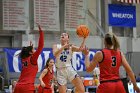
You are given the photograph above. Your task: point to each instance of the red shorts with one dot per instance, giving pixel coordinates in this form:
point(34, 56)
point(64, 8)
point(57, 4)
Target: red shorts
point(44, 90)
point(111, 87)
point(22, 88)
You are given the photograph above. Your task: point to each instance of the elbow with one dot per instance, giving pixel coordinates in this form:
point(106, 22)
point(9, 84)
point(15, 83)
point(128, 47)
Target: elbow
point(88, 70)
point(130, 73)
point(39, 79)
point(42, 45)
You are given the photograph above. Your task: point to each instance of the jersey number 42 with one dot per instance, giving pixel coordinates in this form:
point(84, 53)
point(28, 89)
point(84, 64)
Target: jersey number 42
point(63, 58)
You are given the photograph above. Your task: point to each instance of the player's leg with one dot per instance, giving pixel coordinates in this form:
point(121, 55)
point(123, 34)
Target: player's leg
point(62, 81)
point(75, 80)
point(62, 88)
point(78, 84)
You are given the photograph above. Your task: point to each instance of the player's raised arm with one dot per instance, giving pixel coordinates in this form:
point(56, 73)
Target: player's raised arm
point(79, 49)
point(40, 46)
point(96, 59)
point(81, 31)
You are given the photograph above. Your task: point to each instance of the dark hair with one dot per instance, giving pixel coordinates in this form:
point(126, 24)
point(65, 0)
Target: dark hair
point(25, 51)
point(47, 63)
point(112, 40)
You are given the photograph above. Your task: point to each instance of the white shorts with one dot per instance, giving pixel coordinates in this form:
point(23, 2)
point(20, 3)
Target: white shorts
point(64, 74)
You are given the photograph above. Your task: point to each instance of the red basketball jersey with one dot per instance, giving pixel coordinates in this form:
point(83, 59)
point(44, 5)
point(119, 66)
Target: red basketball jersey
point(29, 65)
point(28, 72)
point(47, 79)
point(29, 69)
point(109, 67)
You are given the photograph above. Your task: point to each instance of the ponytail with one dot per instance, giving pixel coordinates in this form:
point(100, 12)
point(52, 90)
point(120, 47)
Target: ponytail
point(112, 40)
point(116, 43)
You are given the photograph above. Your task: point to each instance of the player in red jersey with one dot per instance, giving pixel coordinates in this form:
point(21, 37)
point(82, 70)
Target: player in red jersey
point(29, 66)
point(46, 78)
point(110, 59)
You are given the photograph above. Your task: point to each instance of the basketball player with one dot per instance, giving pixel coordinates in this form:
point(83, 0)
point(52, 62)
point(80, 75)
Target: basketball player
point(47, 77)
point(63, 54)
point(110, 59)
point(29, 66)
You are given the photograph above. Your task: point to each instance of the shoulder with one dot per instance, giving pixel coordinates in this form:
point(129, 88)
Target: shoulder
point(99, 56)
point(99, 53)
point(122, 54)
point(45, 70)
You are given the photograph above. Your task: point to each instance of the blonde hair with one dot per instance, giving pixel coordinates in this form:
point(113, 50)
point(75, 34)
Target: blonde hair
point(112, 40)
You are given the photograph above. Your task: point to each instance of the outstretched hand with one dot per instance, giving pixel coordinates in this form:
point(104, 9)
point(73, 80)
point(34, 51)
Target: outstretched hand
point(137, 89)
point(39, 27)
point(85, 51)
point(31, 44)
point(82, 45)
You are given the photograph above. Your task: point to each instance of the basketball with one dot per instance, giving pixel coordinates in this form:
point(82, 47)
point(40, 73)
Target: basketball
point(82, 31)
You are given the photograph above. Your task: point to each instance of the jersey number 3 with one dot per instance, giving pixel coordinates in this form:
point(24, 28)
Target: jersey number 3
point(114, 61)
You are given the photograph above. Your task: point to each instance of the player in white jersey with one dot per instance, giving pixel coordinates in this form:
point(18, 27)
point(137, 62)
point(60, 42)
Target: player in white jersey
point(63, 54)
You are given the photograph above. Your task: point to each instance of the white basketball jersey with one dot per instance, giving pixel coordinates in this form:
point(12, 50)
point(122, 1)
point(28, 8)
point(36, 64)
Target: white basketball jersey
point(64, 59)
